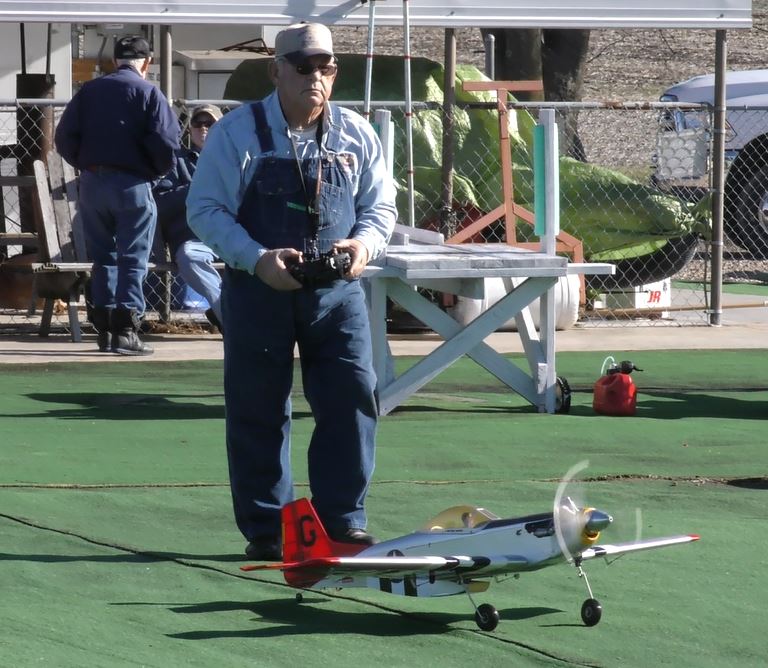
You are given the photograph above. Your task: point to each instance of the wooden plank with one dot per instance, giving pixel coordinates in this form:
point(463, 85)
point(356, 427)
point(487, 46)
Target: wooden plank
point(531, 86)
point(49, 246)
point(61, 207)
point(70, 186)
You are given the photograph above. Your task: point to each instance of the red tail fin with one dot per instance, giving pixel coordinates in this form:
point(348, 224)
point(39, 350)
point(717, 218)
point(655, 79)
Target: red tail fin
point(304, 536)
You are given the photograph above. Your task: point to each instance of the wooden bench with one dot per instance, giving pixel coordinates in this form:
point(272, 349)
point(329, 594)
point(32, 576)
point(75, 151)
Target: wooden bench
point(62, 266)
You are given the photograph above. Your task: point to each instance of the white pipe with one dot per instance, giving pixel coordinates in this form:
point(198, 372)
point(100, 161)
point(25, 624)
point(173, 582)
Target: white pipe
point(547, 318)
point(383, 119)
point(408, 110)
point(551, 180)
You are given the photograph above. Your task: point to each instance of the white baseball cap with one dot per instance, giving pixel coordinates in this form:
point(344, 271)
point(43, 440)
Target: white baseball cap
point(302, 40)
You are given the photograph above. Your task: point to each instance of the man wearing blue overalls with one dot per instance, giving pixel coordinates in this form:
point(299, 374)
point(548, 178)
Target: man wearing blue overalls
point(287, 185)
point(121, 133)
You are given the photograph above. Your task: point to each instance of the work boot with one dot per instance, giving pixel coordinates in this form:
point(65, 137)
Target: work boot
point(264, 548)
point(125, 339)
point(101, 318)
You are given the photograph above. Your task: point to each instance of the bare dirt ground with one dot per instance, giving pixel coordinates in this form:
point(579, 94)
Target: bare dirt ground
point(623, 66)
point(626, 65)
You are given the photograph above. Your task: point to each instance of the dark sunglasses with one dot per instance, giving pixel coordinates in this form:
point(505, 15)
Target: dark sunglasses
point(199, 123)
point(306, 68)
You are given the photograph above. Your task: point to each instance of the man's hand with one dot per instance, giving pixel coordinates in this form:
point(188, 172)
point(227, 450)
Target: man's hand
point(271, 269)
point(359, 254)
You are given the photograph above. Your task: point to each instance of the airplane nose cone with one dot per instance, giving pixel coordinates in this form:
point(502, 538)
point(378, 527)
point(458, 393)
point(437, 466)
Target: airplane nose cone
point(597, 521)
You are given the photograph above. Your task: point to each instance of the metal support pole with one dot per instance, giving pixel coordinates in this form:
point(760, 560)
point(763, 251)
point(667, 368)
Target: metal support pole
point(490, 56)
point(447, 214)
point(408, 111)
point(166, 85)
point(718, 177)
point(369, 59)
point(166, 61)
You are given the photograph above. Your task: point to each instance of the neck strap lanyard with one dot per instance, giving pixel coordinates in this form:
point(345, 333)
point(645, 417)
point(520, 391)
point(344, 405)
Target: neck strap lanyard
point(313, 203)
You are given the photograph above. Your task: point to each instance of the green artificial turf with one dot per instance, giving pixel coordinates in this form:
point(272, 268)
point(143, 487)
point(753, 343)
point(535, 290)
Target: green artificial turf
point(117, 545)
point(759, 290)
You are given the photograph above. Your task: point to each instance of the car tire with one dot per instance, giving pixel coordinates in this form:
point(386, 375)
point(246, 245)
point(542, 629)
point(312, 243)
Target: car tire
point(656, 266)
point(746, 210)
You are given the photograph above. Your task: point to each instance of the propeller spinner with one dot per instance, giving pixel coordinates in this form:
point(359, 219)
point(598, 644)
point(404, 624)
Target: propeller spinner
point(577, 526)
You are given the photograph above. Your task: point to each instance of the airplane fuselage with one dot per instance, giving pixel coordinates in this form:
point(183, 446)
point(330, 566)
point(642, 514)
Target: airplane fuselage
point(521, 544)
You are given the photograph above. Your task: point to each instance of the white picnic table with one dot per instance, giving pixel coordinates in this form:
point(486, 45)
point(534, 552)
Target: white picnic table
point(462, 269)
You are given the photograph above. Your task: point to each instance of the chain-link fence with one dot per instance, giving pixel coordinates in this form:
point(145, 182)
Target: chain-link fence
point(635, 182)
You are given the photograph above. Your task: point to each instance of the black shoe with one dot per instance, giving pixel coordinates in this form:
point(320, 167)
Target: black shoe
point(127, 342)
point(352, 535)
point(264, 549)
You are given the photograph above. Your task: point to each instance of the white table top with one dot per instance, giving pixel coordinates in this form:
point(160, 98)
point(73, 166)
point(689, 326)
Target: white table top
point(424, 261)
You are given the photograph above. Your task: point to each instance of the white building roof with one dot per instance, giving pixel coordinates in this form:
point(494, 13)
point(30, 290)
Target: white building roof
point(718, 14)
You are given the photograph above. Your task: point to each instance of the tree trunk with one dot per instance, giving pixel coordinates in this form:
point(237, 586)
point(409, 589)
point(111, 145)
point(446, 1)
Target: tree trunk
point(558, 58)
point(517, 54)
point(563, 60)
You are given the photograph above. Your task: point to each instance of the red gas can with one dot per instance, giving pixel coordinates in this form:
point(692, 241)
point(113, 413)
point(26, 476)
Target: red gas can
point(615, 392)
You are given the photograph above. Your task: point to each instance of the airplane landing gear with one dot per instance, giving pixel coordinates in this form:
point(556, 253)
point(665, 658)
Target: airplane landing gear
point(487, 617)
point(591, 611)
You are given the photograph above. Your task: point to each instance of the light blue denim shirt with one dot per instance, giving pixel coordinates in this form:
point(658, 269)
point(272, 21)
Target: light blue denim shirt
point(229, 159)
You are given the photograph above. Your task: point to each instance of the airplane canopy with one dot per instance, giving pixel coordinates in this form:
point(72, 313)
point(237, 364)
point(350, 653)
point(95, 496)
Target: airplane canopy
point(459, 517)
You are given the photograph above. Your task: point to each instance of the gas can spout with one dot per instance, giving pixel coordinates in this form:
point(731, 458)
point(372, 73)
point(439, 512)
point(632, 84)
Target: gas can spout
point(628, 367)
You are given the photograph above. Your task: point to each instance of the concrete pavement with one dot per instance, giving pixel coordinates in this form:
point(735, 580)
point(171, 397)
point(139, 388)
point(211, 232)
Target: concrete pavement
point(744, 324)
point(733, 334)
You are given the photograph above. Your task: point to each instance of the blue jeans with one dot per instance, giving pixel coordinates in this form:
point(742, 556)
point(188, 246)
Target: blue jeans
point(261, 327)
point(195, 262)
point(119, 218)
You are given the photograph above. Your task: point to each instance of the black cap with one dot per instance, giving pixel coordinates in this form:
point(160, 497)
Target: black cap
point(132, 46)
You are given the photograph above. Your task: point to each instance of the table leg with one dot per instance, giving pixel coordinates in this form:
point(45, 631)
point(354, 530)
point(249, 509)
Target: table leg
point(463, 340)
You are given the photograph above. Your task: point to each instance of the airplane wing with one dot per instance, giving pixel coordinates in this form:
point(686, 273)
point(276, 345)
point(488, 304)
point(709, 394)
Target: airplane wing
point(389, 567)
point(607, 550)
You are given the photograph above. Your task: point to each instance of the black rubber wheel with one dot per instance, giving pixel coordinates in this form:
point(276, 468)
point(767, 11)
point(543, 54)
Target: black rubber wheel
point(656, 266)
point(299, 597)
point(562, 395)
point(591, 612)
point(487, 617)
point(746, 209)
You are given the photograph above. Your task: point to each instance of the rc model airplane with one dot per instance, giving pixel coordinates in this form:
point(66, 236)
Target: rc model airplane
point(457, 552)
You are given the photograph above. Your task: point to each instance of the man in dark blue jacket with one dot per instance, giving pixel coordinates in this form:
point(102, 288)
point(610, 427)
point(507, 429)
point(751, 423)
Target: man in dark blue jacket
point(121, 133)
point(193, 258)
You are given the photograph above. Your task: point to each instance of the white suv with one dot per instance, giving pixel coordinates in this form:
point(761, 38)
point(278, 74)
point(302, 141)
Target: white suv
point(682, 161)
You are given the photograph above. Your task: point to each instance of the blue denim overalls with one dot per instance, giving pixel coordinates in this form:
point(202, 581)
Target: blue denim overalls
point(330, 325)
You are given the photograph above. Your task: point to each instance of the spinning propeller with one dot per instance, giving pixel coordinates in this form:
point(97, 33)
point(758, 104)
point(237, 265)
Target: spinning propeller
point(577, 527)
